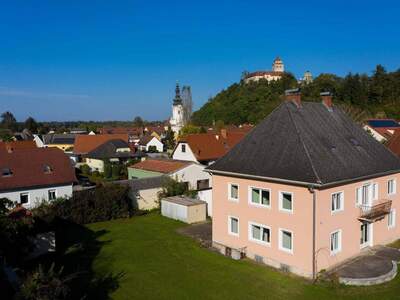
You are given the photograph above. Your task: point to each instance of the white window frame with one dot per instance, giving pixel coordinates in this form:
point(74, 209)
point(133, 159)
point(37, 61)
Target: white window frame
point(230, 227)
point(394, 187)
point(392, 218)
point(55, 193)
point(260, 189)
point(341, 202)
point(375, 191)
point(290, 251)
point(250, 234)
point(183, 148)
point(230, 184)
point(336, 251)
point(359, 199)
point(29, 198)
point(281, 202)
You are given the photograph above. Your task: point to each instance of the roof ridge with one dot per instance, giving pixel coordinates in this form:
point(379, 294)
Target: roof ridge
point(304, 145)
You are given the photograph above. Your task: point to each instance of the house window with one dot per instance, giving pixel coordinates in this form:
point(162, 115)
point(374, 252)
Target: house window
point(183, 148)
point(392, 218)
point(259, 233)
point(233, 192)
point(286, 240)
point(286, 201)
point(391, 187)
point(260, 196)
point(337, 201)
point(24, 198)
point(233, 225)
point(52, 194)
point(203, 184)
point(336, 242)
point(375, 192)
point(6, 172)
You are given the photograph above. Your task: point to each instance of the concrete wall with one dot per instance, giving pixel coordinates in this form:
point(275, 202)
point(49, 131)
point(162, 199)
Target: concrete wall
point(95, 164)
point(206, 196)
point(137, 173)
point(145, 199)
point(187, 155)
point(36, 196)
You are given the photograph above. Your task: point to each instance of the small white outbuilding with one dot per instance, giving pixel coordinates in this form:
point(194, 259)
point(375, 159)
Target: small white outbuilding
point(184, 209)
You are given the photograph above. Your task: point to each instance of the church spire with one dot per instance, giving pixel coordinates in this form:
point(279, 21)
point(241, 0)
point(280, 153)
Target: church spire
point(177, 99)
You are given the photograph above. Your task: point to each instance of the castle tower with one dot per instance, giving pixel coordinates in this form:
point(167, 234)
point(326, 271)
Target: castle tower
point(177, 119)
point(278, 65)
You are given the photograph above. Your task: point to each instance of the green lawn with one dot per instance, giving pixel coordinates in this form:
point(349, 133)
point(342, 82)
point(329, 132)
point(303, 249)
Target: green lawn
point(147, 259)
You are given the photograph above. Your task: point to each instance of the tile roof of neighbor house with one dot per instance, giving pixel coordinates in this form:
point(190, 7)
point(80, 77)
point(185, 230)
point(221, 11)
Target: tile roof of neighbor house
point(144, 183)
point(28, 168)
point(145, 139)
point(210, 146)
point(59, 138)
point(394, 143)
point(308, 145)
point(86, 143)
point(18, 145)
point(109, 150)
point(120, 130)
point(165, 166)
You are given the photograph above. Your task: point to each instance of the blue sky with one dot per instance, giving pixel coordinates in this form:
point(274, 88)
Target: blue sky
point(113, 60)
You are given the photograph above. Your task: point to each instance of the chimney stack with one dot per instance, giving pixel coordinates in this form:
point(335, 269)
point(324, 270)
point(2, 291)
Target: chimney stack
point(9, 148)
point(327, 99)
point(223, 133)
point(294, 95)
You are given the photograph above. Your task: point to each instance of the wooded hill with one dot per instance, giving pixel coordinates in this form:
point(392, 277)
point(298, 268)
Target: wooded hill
point(361, 95)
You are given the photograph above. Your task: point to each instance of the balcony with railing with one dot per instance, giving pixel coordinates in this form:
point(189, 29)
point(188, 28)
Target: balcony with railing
point(375, 212)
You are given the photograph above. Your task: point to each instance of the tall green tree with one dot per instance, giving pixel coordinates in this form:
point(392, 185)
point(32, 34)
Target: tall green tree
point(138, 122)
point(8, 121)
point(31, 125)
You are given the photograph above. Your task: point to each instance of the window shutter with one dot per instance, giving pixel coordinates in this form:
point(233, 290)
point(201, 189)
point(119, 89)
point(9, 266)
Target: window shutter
point(358, 195)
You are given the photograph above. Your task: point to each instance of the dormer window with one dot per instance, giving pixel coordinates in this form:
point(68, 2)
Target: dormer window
point(47, 169)
point(6, 172)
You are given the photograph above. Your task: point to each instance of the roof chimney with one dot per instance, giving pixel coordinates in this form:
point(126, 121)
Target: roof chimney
point(9, 148)
point(294, 95)
point(327, 100)
point(223, 133)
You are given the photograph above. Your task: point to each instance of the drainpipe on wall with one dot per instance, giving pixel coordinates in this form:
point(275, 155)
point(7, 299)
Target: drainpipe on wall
point(314, 271)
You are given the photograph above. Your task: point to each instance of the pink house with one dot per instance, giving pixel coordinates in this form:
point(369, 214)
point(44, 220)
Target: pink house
point(305, 190)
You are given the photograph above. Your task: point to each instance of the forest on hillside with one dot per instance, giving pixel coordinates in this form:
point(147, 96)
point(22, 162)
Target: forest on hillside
point(377, 95)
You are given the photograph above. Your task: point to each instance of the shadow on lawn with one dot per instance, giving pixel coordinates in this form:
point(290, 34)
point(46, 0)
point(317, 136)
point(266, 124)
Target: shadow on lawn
point(77, 247)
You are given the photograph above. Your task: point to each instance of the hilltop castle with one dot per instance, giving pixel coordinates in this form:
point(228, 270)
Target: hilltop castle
point(278, 69)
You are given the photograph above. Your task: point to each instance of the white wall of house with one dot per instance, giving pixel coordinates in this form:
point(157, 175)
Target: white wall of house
point(375, 134)
point(192, 174)
point(36, 196)
point(187, 155)
point(38, 141)
point(95, 164)
point(155, 142)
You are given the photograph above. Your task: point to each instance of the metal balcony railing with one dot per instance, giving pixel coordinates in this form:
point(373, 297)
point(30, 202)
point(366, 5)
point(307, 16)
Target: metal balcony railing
point(375, 212)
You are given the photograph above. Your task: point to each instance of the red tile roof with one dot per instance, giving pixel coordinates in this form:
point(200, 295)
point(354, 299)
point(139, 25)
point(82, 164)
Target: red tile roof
point(27, 167)
point(160, 165)
point(210, 146)
point(394, 143)
point(18, 145)
point(86, 143)
point(121, 130)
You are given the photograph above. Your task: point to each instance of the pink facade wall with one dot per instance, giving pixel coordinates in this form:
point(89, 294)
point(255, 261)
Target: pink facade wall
point(299, 222)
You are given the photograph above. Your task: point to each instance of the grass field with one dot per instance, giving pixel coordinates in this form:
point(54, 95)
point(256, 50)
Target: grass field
point(144, 258)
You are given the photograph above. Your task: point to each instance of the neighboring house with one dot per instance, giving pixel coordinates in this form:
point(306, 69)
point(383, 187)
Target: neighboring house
point(205, 148)
point(305, 190)
point(144, 191)
point(183, 171)
point(278, 69)
point(86, 143)
point(382, 129)
point(38, 140)
point(31, 175)
point(148, 141)
point(134, 133)
point(394, 143)
point(62, 141)
point(114, 151)
point(157, 131)
point(78, 131)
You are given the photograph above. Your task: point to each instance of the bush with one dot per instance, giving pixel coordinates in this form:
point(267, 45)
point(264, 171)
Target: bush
point(85, 169)
point(116, 171)
point(107, 169)
point(103, 203)
point(152, 149)
point(173, 187)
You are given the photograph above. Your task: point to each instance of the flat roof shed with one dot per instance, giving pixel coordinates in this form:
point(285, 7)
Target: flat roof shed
point(184, 209)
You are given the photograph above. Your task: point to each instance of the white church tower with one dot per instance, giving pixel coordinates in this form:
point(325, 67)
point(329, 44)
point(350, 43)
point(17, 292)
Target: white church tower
point(177, 120)
point(278, 65)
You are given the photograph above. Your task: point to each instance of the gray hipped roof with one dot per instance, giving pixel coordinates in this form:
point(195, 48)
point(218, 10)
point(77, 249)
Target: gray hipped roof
point(109, 150)
point(308, 144)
